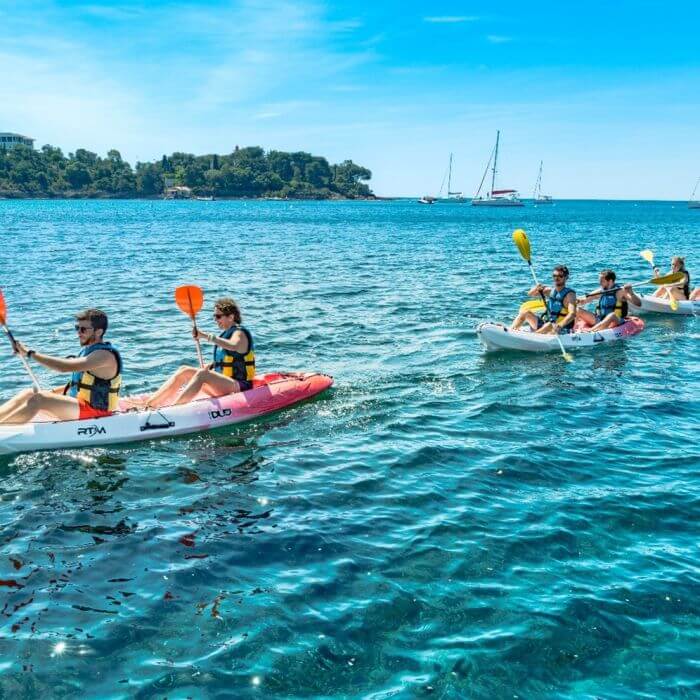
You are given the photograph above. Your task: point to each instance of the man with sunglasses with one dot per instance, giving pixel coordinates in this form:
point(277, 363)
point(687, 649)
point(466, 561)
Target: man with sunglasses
point(560, 313)
point(93, 390)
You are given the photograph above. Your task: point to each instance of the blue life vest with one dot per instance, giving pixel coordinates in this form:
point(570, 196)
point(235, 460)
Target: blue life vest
point(608, 304)
point(102, 394)
point(555, 306)
point(236, 365)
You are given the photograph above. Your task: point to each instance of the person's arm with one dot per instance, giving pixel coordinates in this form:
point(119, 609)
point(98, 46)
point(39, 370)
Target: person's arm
point(570, 316)
point(631, 295)
point(238, 342)
point(99, 360)
point(537, 290)
point(588, 298)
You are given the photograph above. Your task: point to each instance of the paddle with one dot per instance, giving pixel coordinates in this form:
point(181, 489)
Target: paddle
point(190, 299)
point(3, 323)
point(648, 255)
point(659, 281)
point(523, 246)
point(534, 305)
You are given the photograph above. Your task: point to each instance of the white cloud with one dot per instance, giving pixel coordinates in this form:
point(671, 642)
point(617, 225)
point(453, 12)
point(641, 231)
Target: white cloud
point(450, 19)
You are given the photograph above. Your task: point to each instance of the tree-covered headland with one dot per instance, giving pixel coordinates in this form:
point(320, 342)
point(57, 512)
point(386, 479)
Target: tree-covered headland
point(246, 172)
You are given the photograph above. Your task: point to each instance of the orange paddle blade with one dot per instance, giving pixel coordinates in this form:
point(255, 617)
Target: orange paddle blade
point(189, 299)
point(3, 309)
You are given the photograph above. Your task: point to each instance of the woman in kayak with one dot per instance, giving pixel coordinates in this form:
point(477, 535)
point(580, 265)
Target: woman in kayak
point(231, 371)
point(560, 313)
point(93, 390)
point(681, 292)
point(613, 301)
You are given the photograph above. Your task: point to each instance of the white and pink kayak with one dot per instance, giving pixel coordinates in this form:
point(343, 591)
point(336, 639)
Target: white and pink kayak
point(495, 336)
point(270, 393)
point(662, 305)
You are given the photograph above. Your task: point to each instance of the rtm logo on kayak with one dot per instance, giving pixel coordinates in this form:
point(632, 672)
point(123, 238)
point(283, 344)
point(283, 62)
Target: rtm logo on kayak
point(220, 414)
point(92, 430)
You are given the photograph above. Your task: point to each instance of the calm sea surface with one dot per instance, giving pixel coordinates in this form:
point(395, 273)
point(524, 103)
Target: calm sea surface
point(442, 523)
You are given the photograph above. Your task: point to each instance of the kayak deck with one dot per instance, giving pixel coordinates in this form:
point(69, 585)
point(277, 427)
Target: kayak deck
point(270, 393)
point(496, 337)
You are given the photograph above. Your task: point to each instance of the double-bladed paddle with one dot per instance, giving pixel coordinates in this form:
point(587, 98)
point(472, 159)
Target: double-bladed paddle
point(648, 255)
point(523, 245)
point(3, 323)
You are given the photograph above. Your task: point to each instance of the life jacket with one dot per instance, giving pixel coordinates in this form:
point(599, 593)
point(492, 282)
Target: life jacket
point(555, 306)
point(608, 303)
point(230, 363)
point(686, 286)
point(99, 393)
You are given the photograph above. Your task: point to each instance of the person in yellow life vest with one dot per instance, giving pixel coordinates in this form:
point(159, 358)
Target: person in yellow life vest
point(613, 302)
point(232, 369)
point(93, 389)
point(560, 306)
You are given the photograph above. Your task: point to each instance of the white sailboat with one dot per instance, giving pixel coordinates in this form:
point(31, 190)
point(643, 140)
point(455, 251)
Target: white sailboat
point(538, 197)
point(494, 197)
point(694, 203)
point(452, 197)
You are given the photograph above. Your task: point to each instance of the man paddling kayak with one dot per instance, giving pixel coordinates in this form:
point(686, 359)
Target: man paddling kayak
point(560, 314)
point(613, 301)
point(231, 371)
point(93, 390)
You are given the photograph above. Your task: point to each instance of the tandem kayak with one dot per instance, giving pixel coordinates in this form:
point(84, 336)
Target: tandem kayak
point(270, 392)
point(661, 305)
point(495, 337)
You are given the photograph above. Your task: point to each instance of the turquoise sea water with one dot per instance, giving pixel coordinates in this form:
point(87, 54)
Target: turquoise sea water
point(442, 523)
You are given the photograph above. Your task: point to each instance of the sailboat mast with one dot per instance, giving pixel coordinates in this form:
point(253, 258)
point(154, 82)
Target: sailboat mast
point(538, 184)
point(495, 161)
point(449, 178)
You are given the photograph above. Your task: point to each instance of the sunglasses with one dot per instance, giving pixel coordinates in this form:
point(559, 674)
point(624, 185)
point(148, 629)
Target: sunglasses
point(83, 329)
point(558, 277)
point(218, 316)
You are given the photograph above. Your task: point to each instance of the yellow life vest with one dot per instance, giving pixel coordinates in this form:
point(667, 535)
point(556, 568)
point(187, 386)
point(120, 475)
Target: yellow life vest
point(235, 365)
point(102, 394)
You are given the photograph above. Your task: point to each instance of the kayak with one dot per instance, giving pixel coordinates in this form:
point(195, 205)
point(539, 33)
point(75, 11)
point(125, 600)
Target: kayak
point(495, 337)
point(270, 392)
point(662, 305)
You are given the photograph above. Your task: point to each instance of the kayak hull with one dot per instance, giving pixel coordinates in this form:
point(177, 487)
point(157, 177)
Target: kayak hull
point(495, 337)
point(657, 305)
point(270, 393)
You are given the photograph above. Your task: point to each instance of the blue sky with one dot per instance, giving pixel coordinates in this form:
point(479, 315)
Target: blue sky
point(606, 93)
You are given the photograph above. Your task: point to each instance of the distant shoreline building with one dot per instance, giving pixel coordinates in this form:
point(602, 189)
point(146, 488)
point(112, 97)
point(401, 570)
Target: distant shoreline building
point(8, 140)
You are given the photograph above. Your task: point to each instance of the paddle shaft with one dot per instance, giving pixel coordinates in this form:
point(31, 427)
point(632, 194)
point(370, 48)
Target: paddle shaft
point(35, 381)
point(632, 286)
point(650, 259)
point(194, 328)
point(556, 335)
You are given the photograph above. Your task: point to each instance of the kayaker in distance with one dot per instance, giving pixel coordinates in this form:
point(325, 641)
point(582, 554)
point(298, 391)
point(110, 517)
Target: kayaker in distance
point(560, 314)
point(612, 303)
point(681, 293)
point(93, 390)
point(231, 371)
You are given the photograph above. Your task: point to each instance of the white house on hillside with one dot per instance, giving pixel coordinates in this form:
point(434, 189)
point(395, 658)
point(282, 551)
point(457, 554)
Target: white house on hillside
point(9, 140)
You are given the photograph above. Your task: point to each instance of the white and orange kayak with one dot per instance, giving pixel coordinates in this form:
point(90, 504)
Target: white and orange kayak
point(270, 393)
point(495, 336)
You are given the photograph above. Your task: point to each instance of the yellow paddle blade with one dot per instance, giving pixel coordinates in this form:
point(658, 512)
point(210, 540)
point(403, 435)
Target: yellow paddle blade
point(668, 279)
point(532, 305)
point(521, 241)
point(674, 302)
point(648, 255)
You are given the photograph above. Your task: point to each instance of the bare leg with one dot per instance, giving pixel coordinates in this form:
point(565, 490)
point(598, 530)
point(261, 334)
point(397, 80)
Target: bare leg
point(211, 383)
point(167, 394)
point(61, 407)
point(586, 316)
point(695, 294)
point(546, 329)
point(14, 403)
point(610, 321)
point(522, 317)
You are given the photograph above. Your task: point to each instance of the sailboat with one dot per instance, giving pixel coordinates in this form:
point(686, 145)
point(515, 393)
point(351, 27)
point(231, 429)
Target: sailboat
point(538, 197)
point(452, 197)
point(494, 197)
point(694, 203)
